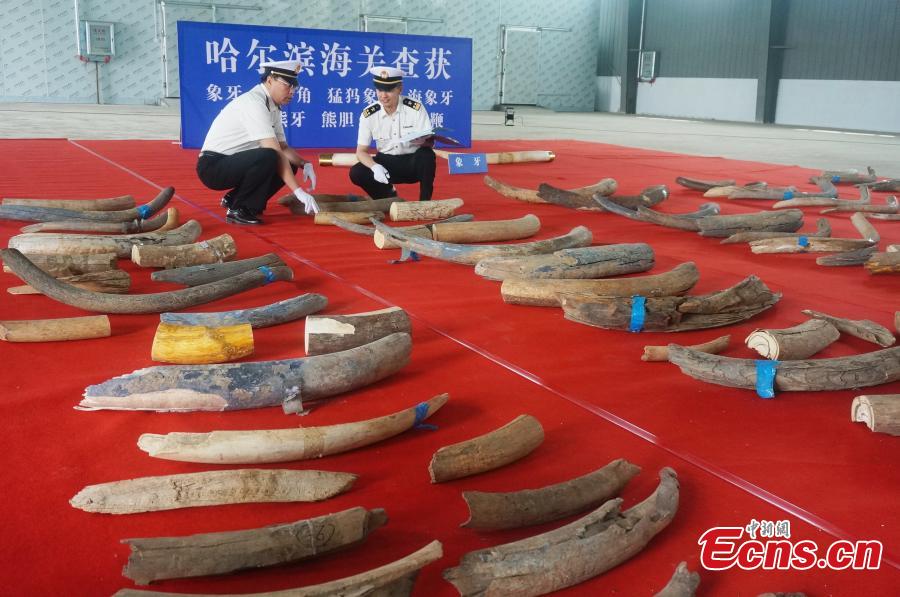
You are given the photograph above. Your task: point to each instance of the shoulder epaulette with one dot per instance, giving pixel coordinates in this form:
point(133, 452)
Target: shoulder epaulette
point(412, 103)
point(371, 109)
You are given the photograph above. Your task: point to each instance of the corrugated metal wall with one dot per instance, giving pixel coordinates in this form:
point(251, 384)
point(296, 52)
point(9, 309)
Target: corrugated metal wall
point(612, 32)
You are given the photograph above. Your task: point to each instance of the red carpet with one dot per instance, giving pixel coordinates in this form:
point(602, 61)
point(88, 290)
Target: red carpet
point(797, 457)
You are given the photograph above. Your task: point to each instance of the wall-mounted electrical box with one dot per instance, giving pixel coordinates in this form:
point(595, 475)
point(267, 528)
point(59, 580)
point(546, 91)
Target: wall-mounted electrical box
point(647, 66)
point(99, 40)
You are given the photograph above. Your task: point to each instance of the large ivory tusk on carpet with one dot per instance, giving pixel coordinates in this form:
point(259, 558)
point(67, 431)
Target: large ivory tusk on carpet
point(683, 583)
point(864, 329)
point(722, 226)
point(491, 511)
point(436, 209)
point(570, 554)
point(327, 218)
point(883, 263)
point(258, 317)
point(850, 176)
point(686, 221)
point(865, 198)
point(194, 275)
point(201, 345)
point(472, 254)
point(59, 266)
point(219, 553)
point(391, 580)
point(857, 371)
point(284, 445)
point(110, 204)
point(509, 443)
point(215, 250)
point(486, 230)
point(48, 330)
point(121, 245)
point(582, 263)
point(113, 281)
point(545, 292)
point(661, 353)
point(211, 488)
point(880, 412)
point(845, 258)
point(508, 157)
point(703, 185)
point(160, 223)
point(297, 208)
point(813, 244)
point(174, 300)
point(794, 343)
point(648, 197)
point(370, 230)
point(182, 388)
point(823, 229)
point(49, 214)
point(325, 334)
point(606, 186)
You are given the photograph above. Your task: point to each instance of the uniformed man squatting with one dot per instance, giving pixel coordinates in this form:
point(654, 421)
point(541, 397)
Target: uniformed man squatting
point(246, 151)
point(386, 121)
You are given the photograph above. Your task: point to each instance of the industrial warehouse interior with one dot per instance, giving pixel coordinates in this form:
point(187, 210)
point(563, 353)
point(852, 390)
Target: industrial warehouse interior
point(392, 297)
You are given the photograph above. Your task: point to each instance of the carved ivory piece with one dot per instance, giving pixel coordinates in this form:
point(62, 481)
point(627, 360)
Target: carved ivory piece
point(110, 204)
point(284, 445)
point(331, 333)
point(48, 330)
point(570, 554)
point(881, 413)
point(121, 245)
point(683, 583)
point(159, 223)
point(211, 488)
point(606, 186)
point(790, 344)
point(214, 250)
point(199, 345)
point(396, 579)
point(159, 558)
point(182, 388)
point(194, 275)
point(581, 263)
point(491, 511)
point(509, 443)
point(50, 214)
point(258, 317)
point(424, 210)
point(661, 353)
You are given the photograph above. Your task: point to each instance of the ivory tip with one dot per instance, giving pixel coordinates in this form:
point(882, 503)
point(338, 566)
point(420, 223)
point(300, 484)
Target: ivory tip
point(551, 155)
point(325, 159)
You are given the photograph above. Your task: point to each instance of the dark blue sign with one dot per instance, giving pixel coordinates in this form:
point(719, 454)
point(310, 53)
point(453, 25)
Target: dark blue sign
point(217, 62)
point(467, 163)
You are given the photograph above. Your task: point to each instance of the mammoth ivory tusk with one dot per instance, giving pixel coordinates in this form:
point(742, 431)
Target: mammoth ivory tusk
point(110, 204)
point(113, 281)
point(582, 263)
point(857, 371)
point(509, 157)
point(888, 186)
point(794, 343)
point(258, 317)
point(492, 511)
point(544, 292)
point(391, 580)
point(828, 190)
point(823, 229)
point(865, 228)
point(812, 244)
point(204, 554)
point(779, 221)
point(606, 186)
point(642, 214)
point(509, 443)
point(194, 275)
point(864, 199)
point(48, 214)
point(890, 208)
point(325, 334)
point(673, 313)
point(883, 263)
point(201, 345)
point(381, 205)
point(283, 445)
point(211, 488)
point(160, 223)
point(570, 554)
point(849, 176)
point(880, 412)
point(370, 230)
point(661, 353)
point(486, 231)
point(703, 185)
point(424, 210)
point(235, 386)
point(48, 330)
point(121, 245)
point(845, 258)
point(327, 218)
point(683, 583)
point(863, 329)
point(472, 254)
point(214, 250)
point(143, 303)
point(59, 266)
point(648, 197)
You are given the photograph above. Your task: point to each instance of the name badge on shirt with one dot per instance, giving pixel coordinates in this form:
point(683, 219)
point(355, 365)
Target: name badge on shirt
point(467, 163)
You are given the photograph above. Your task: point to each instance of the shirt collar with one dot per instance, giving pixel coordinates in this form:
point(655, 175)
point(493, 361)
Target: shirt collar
point(271, 106)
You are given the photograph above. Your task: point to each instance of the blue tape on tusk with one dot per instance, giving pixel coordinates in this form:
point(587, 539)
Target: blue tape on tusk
point(803, 241)
point(143, 211)
point(267, 271)
point(789, 194)
point(765, 378)
point(835, 179)
point(421, 413)
point(638, 313)
point(405, 255)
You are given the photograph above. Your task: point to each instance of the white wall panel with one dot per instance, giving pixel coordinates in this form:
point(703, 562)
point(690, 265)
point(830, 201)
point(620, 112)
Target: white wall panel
point(609, 94)
point(864, 105)
point(691, 97)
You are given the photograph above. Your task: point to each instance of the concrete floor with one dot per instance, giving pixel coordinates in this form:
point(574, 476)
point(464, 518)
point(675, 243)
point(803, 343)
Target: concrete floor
point(812, 148)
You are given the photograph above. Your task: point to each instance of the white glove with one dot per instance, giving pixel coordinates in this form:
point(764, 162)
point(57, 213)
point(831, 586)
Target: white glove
point(308, 201)
point(309, 174)
point(381, 174)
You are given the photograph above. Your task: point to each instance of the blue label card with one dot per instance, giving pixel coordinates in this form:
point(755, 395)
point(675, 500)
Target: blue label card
point(467, 163)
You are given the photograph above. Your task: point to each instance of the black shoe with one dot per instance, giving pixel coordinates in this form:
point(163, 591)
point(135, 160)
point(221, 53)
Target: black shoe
point(241, 216)
point(226, 201)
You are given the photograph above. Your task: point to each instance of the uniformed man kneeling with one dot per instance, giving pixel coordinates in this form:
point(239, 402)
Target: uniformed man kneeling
point(393, 122)
point(246, 151)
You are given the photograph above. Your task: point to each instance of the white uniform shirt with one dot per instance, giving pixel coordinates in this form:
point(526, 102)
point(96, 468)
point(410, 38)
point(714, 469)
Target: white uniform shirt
point(246, 120)
point(374, 123)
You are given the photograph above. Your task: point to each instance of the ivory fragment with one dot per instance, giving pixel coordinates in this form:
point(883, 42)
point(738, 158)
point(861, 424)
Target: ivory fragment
point(198, 345)
point(880, 412)
point(48, 330)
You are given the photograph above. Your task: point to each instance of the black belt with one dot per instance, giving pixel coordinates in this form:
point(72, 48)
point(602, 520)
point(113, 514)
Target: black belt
point(210, 154)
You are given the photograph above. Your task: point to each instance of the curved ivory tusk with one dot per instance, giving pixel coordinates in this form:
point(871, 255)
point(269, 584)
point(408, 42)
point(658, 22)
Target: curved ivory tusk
point(509, 443)
point(487, 230)
point(642, 214)
point(880, 412)
point(845, 258)
point(661, 353)
point(258, 317)
point(59, 266)
point(509, 157)
point(865, 228)
point(545, 292)
point(214, 250)
point(865, 198)
point(194, 275)
point(284, 445)
point(581, 263)
point(492, 511)
point(864, 329)
point(160, 223)
point(472, 254)
point(382, 205)
point(683, 583)
point(858, 371)
point(606, 186)
point(424, 210)
point(391, 580)
point(332, 333)
point(703, 185)
point(49, 214)
point(211, 488)
point(570, 554)
point(849, 176)
point(722, 226)
point(823, 229)
point(113, 281)
point(48, 330)
point(121, 245)
point(201, 345)
point(648, 197)
point(181, 388)
point(110, 204)
point(883, 263)
point(811, 245)
point(887, 186)
point(144, 303)
point(370, 230)
point(794, 343)
point(327, 218)
point(159, 558)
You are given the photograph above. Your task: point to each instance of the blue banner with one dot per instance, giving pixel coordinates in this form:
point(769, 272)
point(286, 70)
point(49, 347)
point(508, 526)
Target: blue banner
point(219, 61)
point(467, 163)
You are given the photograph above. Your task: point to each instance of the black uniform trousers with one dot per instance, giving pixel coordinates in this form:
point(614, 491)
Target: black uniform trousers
point(404, 169)
point(251, 177)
